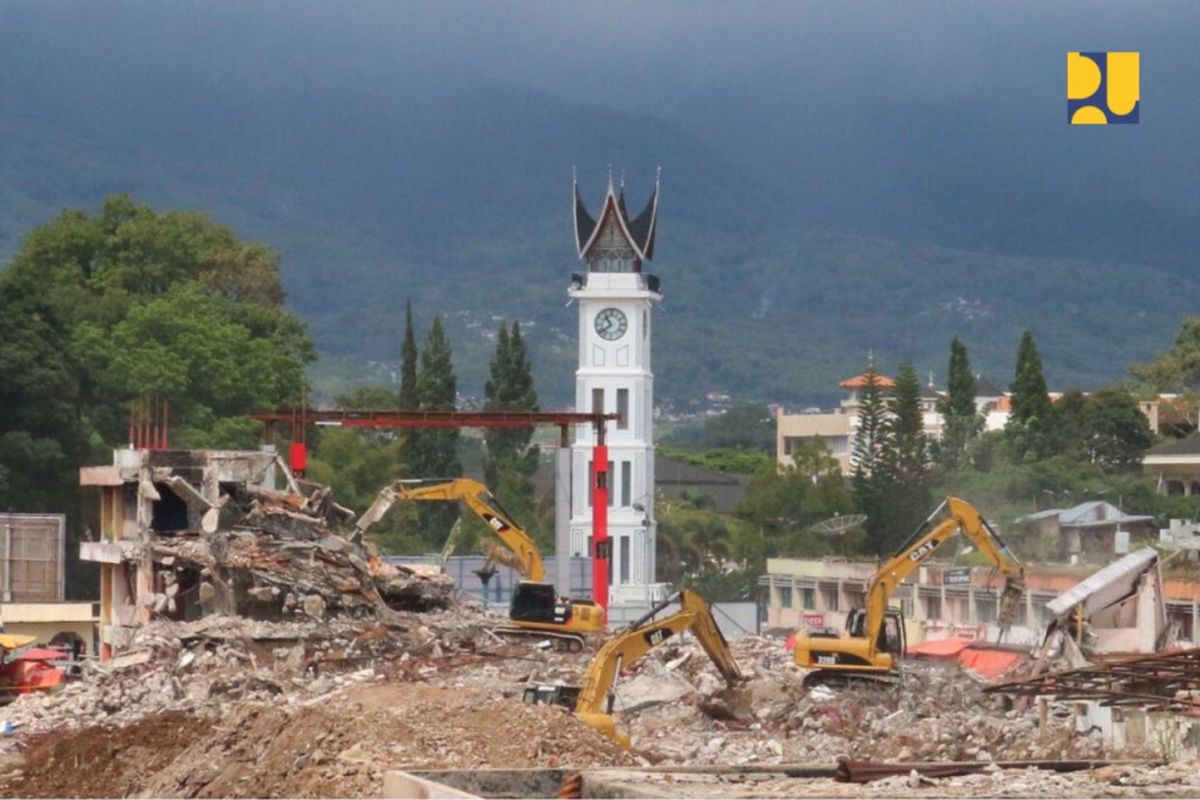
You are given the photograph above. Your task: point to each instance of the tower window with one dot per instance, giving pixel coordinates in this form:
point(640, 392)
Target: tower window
point(624, 559)
point(626, 482)
point(597, 401)
point(623, 409)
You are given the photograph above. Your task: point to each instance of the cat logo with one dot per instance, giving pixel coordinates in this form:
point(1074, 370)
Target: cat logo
point(1103, 88)
point(920, 552)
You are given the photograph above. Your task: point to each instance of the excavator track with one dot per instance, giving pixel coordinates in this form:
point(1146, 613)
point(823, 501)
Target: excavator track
point(843, 679)
point(571, 642)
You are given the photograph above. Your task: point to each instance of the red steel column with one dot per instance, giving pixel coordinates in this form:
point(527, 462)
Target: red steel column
point(600, 544)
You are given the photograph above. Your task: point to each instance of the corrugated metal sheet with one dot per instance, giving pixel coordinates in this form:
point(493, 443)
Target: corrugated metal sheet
point(1105, 587)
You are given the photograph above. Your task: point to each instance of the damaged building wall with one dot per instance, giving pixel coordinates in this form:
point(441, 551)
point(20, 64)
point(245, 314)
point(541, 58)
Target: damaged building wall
point(185, 534)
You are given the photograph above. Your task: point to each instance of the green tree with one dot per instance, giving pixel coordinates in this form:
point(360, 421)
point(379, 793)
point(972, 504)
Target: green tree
point(1031, 423)
point(901, 495)
point(873, 480)
point(433, 452)
point(1070, 428)
point(783, 504)
point(410, 399)
point(745, 426)
point(908, 451)
point(961, 420)
point(871, 438)
point(510, 460)
point(1178, 369)
point(97, 311)
point(1117, 432)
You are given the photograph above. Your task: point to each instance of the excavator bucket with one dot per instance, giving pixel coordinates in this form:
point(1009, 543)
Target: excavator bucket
point(608, 726)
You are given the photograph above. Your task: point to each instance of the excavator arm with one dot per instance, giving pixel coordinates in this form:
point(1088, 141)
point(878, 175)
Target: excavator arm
point(528, 561)
point(964, 518)
point(638, 639)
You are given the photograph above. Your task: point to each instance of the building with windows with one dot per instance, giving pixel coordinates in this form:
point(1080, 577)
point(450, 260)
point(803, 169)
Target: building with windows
point(837, 429)
point(940, 600)
point(1175, 466)
point(615, 299)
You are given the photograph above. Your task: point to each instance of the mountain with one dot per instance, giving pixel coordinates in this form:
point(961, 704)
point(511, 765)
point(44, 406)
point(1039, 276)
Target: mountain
point(385, 175)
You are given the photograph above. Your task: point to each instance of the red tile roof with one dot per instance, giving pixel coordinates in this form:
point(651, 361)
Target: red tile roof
point(858, 381)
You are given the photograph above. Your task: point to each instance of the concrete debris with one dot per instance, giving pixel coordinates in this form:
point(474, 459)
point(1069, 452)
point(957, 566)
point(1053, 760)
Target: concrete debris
point(251, 572)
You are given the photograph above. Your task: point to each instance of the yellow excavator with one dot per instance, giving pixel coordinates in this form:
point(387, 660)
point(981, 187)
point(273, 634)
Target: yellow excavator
point(873, 641)
point(593, 701)
point(535, 609)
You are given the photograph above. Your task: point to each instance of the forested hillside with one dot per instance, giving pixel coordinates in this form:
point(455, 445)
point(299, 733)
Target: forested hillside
point(384, 174)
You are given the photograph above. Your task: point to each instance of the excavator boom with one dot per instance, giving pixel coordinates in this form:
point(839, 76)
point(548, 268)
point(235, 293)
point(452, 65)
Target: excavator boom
point(477, 497)
point(639, 638)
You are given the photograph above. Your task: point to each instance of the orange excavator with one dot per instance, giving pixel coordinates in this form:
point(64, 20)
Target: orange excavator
point(536, 610)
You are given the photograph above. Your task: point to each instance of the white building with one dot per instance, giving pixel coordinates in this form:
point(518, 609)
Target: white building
point(615, 300)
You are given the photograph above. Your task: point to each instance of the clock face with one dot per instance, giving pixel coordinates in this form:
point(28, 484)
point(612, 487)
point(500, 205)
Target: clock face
point(611, 324)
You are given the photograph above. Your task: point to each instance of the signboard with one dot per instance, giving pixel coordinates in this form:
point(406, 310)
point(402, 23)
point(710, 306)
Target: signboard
point(956, 577)
point(813, 620)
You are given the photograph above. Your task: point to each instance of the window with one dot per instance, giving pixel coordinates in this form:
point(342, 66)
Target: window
point(626, 482)
point(623, 409)
point(624, 559)
point(785, 596)
point(612, 494)
point(808, 598)
point(597, 401)
point(830, 598)
point(932, 607)
point(985, 608)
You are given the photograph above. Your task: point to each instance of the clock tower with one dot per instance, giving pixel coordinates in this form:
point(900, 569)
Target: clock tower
point(615, 299)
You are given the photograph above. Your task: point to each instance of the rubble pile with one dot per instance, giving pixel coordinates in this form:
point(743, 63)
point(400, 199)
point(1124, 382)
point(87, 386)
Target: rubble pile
point(217, 663)
point(280, 554)
point(938, 713)
point(1180, 779)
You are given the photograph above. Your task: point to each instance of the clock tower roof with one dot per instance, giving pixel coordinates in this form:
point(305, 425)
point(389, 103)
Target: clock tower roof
point(637, 231)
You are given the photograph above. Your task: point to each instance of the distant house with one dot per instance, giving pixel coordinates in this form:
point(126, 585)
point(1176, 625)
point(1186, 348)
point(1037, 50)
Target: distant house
point(836, 429)
point(1175, 466)
point(1090, 530)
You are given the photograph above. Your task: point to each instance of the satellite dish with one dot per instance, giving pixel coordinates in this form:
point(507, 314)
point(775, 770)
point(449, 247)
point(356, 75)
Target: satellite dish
point(836, 526)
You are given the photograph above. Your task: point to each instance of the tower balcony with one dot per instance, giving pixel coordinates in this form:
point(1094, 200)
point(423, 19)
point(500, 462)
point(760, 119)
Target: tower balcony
point(623, 284)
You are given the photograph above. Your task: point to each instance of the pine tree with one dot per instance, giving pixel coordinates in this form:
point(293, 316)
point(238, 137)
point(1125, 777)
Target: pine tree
point(904, 497)
point(1031, 424)
point(961, 421)
point(908, 453)
point(510, 461)
point(872, 479)
point(409, 399)
point(433, 452)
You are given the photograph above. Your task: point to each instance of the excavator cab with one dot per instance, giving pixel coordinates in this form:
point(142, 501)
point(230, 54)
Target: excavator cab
point(537, 602)
point(892, 635)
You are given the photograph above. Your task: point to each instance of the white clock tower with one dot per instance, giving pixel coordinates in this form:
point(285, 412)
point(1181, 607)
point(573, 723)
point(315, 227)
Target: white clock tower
point(615, 298)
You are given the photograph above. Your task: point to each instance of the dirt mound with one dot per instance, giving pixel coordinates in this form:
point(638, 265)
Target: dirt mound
point(99, 762)
point(338, 747)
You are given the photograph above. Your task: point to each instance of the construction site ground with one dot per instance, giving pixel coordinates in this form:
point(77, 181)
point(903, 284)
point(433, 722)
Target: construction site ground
point(231, 707)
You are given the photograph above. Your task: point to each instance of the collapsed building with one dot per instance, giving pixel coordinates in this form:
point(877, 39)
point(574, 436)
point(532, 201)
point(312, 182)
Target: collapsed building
point(188, 533)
